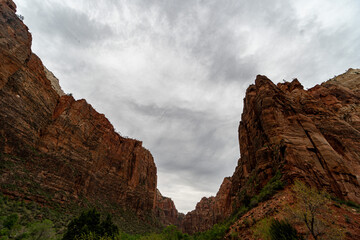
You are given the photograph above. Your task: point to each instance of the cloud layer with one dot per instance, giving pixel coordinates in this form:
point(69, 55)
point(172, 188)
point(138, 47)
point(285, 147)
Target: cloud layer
point(173, 73)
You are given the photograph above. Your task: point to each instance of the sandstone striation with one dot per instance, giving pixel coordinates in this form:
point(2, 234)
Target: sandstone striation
point(56, 149)
point(312, 135)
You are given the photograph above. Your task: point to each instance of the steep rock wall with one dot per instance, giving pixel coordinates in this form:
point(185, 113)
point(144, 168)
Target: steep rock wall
point(312, 135)
point(166, 211)
point(209, 211)
point(56, 149)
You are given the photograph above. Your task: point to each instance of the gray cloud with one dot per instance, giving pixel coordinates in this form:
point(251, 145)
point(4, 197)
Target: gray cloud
point(68, 25)
point(173, 73)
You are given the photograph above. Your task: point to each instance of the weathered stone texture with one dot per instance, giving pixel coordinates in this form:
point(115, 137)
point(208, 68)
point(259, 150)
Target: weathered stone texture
point(61, 148)
point(312, 135)
point(166, 211)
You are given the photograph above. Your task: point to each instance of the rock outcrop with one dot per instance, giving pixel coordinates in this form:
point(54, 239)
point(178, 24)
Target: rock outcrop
point(209, 211)
point(312, 135)
point(54, 81)
point(56, 149)
point(166, 211)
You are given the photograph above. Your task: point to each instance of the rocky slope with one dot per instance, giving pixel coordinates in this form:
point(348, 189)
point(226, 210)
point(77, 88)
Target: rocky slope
point(55, 149)
point(343, 217)
point(312, 135)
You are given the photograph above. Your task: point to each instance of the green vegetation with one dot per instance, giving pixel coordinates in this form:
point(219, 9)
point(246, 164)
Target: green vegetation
point(282, 230)
point(275, 184)
point(218, 231)
point(273, 229)
point(89, 223)
point(312, 211)
point(347, 203)
point(22, 220)
point(262, 229)
point(28, 220)
point(169, 233)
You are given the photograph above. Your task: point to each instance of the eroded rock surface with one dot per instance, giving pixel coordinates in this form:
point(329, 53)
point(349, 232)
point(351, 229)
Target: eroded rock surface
point(312, 135)
point(209, 211)
point(166, 211)
point(56, 149)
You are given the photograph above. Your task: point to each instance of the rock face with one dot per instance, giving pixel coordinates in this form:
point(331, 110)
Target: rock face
point(209, 211)
point(312, 135)
point(54, 148)
point(243, 227)
point(54, 82)
point(166, 211)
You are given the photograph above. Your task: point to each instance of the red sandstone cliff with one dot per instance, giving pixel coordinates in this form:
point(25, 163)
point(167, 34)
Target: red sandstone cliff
point(209, 211)
point(56, 149)
point(166, 211)
point(312, 135)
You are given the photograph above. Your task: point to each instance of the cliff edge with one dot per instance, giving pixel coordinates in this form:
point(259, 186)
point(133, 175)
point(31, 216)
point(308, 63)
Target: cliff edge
point(55, 149)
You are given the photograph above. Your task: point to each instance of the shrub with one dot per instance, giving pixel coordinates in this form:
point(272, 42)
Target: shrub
point(311, 210)
point(41, 230)
point(275, 184)
point(282, 230)
point(261, 229)
point(10, 221)
point(172, 233)
point(88, 224)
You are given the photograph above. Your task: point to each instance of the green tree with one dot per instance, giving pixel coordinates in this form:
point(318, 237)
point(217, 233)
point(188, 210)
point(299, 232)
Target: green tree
point(312, 210)
point(172, 233)
point(88, 223)
point(108, 228)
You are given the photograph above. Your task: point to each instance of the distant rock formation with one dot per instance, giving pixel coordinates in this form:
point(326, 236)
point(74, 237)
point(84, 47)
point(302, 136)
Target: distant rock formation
point(166, 211)
point(209, 210)
point(312, 135)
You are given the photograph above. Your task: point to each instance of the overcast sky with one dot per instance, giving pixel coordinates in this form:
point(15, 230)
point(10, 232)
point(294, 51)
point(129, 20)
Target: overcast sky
point(173, 74)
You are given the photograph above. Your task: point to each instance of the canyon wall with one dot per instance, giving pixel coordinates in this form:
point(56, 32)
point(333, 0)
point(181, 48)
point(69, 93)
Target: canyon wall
point(312, 135)
point(166, 211)
point(56, 149)
point(209, 210)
